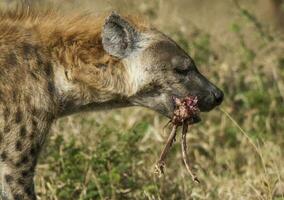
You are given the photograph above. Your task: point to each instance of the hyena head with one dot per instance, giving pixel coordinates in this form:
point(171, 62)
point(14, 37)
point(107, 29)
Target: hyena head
point(158, 68)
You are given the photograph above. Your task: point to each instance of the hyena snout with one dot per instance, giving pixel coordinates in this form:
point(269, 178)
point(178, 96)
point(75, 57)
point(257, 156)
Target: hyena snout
point(209, 95)
point(209, 99)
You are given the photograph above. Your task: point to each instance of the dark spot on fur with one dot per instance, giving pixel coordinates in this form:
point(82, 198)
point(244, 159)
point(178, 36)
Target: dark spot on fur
point(18, 197)
point(26, 173)
point(34, 111)
point(38, 56)
point(24, 160)
point(33, 151)
point(21, 181)
point(39, 59)
point(3, 156)
point(9, 178)
point(101, 66)
point(7, 129)
point(27, 49)
point(50, 87)
point(29, 191)
point(27, 99)
point(32, 168)
point(18, 116)
point(34, 124)
point(11, 60)
point(6, 113)
point(23, 131)
point(14, 96)
point(33, 133)
point(34, 75)
point(34, 162)
point(19, 145)
point(48, 69)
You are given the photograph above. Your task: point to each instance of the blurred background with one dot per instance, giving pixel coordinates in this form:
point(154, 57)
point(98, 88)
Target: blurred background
point(237, 150)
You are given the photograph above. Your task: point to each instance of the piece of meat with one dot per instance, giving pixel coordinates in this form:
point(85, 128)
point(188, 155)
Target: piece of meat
point(185, 110)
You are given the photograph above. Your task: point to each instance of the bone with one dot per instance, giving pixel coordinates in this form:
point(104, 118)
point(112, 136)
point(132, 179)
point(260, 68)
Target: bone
point(184, 152)
point(161, 162)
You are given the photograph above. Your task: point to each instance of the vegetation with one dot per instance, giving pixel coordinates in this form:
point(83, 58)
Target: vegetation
point(238, 149)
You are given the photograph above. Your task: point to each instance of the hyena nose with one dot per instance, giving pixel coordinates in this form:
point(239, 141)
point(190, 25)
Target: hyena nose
point(219, 96)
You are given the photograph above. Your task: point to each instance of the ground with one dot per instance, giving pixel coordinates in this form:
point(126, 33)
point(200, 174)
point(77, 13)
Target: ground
point(237, 149)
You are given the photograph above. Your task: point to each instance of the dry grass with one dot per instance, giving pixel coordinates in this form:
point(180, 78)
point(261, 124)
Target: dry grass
point(238, 149)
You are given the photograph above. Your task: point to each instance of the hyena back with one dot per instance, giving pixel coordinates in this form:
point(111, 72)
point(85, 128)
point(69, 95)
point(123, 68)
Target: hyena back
point(52, 66)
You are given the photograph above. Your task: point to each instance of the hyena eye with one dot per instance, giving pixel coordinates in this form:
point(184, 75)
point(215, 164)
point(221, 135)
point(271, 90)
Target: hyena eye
point(182, 71)
point(181, 65)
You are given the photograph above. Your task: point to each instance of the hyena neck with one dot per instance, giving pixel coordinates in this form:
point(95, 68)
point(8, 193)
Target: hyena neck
point(86, 77)
point(74, 97)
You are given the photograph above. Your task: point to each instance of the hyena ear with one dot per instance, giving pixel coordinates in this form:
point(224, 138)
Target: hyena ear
point(119, 37)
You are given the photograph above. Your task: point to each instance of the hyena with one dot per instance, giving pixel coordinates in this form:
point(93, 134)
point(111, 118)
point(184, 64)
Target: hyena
point(52, 66)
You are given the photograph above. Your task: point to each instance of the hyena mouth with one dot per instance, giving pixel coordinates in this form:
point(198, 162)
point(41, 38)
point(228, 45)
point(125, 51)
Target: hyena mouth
point(186, 109)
